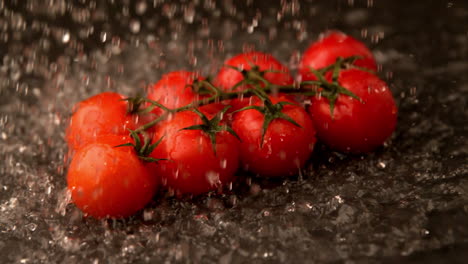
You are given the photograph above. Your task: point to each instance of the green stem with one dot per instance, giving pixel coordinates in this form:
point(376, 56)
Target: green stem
point(151, 123)
point(255, 78)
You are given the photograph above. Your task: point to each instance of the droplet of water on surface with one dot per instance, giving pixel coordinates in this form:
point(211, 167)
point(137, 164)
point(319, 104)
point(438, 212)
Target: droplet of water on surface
point(215, 204)
point(63, 199)
point(291, 207)
point(339, 199)
point(255, 189)
point(31, 226)
point(213, 178)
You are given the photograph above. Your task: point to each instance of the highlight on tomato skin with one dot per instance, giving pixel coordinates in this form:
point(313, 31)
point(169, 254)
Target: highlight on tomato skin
point(331, 46)
point(104, 113)
point(192, 166)
point(356, 126)
point(286, 147)
point(106, 181)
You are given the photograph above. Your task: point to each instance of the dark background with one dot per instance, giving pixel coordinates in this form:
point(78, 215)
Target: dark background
point(407, 202)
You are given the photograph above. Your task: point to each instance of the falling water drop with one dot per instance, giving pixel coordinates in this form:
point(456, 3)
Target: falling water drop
point(66, 37)
point(135, 26)
point(381, 165)
point(140, 7)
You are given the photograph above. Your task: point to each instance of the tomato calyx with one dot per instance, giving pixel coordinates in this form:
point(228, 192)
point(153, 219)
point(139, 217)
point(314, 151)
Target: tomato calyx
point(269, 110)
point(212, 126)
point(331, 89)
point(143, 150)
point(252, 77)
point(344, 63)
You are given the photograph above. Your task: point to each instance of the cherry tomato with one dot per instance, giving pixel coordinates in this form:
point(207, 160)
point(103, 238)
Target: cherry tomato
point(228, 77)
point(356, 126)
point(110, 182)
point(101, 114)
point(260, 62)
point(192, 166)
point(174, 90)
point(334, 44)
point(285, 147)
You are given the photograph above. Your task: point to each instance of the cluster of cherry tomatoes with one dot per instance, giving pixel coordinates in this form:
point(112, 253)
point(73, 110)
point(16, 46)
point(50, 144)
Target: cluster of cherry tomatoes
point(192, 135)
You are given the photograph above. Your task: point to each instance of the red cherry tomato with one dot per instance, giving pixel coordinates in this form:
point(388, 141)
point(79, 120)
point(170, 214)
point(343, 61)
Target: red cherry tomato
point(356, 126)
point(192, 167)
point(333, 45)
point(108, 181)
point(228, 77)
point(286, 147)
point(102, 114)
point(174, 91)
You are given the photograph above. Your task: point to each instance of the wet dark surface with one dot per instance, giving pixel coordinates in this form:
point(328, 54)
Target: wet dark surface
point(406, 202)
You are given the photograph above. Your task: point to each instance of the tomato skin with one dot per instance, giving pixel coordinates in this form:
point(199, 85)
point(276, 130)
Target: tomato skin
point(110, 182)
point(356, 127)
point(192, 166)
point(102, 114)
point(334, 44)
point(286, 147)
point(172, 91)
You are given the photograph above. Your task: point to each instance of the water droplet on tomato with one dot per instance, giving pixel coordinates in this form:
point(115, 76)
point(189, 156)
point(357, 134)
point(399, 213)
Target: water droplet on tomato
point(148, 214)
point(223, 163)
